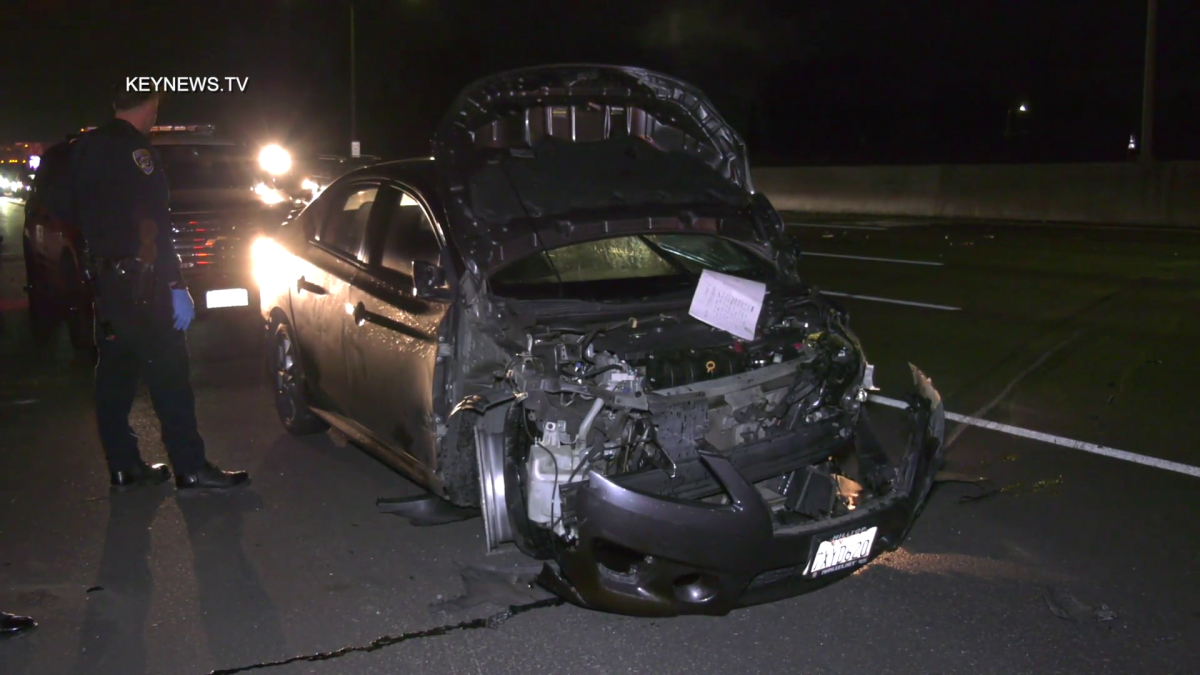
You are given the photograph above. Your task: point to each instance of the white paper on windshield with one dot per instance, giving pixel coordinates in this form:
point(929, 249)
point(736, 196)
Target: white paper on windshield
point(729, 303)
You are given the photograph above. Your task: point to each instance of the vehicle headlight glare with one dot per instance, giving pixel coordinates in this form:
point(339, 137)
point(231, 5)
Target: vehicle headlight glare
point(275, 160)
point(268, 194)
point(271, 264)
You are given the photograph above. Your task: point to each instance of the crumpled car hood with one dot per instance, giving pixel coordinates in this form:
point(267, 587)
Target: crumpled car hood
point(525, 149)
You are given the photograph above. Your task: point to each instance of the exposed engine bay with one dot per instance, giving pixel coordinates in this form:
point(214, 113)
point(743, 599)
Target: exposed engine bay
point(640, 400)
point(662, 466)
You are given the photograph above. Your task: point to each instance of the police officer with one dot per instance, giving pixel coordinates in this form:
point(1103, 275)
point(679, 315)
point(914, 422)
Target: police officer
point(119, 199)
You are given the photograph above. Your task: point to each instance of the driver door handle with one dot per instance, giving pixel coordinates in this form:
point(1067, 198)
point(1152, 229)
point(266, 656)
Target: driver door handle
point(303, 284)
point(362, 315)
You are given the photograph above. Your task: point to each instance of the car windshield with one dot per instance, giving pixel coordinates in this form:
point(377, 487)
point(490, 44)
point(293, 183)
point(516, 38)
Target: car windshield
point(627, 268)
point(209, 167)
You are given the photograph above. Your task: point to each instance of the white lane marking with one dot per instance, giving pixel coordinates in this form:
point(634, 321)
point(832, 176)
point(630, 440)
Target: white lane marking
point(26, 401)
point(1012, 384)
point(863, 257)
point(1056, 440)
point(894, 223)
point(838, 227)
point(948, 308)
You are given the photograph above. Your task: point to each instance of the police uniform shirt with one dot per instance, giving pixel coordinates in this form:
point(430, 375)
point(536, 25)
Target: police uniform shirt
point(121, 198)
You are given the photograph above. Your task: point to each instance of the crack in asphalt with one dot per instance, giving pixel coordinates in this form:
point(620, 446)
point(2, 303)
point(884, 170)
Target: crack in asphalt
point(979, 414)
point(1099, 306)
point(493, 621)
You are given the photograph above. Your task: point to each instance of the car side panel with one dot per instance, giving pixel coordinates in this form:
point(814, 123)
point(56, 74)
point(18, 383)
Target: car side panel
point(391, 353)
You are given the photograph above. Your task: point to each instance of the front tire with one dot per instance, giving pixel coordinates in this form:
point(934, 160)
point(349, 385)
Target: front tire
point(41, 301)
point(291, 395)
point(80, 311)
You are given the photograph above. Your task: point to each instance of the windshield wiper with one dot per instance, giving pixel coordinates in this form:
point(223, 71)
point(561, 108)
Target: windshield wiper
point(665, 255)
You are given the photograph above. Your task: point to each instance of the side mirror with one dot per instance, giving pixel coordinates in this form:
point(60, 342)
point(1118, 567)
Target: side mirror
point(429, 281)
point(767, 215)
point(788, 258)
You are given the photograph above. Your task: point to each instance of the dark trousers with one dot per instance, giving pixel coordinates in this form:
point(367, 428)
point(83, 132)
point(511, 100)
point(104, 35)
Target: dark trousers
point(137, 341)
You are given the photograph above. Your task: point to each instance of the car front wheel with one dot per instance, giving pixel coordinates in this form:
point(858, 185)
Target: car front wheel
point(80, 314)
point(291, 396)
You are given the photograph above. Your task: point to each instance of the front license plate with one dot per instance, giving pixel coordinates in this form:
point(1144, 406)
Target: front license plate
point(842, 551)
point(228, 297)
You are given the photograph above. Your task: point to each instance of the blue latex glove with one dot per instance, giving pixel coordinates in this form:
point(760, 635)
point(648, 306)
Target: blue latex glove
point(185, 309)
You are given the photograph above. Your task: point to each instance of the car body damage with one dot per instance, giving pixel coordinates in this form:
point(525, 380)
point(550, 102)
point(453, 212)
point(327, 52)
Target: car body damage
point(541, 360)
point(660, 464)
point(661, 479)
point(570, 149)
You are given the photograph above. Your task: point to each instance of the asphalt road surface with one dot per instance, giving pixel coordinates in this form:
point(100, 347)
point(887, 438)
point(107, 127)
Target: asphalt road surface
point(1086, 334)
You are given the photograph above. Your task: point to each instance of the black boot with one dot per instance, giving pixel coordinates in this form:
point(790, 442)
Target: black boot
point(11, 624)
point(142, 475)
point(211, 477)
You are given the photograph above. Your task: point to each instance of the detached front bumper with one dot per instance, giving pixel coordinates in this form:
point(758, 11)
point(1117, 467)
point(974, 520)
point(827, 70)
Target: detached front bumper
point(698, 558)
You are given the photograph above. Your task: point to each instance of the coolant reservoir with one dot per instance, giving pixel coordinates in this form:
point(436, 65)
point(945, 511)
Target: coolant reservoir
point(550, 462)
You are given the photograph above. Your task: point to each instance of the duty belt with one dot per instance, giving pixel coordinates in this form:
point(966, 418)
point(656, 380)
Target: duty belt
point(124, 265)
point(139, 276)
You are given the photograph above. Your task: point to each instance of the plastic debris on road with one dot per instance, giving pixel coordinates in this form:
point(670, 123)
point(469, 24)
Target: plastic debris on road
point(1065, 606)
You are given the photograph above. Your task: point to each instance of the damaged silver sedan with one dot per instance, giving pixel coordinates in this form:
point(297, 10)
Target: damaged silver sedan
point(580, 322)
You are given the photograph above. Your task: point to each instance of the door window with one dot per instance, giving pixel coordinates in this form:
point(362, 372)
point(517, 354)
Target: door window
point(51, 183)
point(409, 236)
point(346, 227)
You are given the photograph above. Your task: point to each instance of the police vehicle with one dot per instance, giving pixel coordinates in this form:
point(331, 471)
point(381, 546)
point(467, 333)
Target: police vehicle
point(223, 195)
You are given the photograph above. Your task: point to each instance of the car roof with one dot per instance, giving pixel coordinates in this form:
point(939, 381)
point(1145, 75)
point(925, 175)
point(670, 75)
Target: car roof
point(419, 172)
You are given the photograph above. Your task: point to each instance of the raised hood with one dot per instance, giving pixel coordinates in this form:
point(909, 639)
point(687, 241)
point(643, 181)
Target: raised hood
point(555, 154)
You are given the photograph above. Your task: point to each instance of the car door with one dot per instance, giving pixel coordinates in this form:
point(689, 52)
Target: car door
point(336, 252)
point(45, 231)
point(392, 344)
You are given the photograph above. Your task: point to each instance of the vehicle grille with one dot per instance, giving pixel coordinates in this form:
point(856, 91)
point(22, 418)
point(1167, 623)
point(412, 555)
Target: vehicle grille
point(775, 576)
point(208, 243)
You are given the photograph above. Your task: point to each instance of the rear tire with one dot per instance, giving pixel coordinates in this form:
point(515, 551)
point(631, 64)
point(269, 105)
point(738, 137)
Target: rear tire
point(292, 402)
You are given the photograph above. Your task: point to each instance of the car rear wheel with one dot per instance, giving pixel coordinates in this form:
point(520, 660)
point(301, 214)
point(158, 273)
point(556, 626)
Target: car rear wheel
point(291, 397)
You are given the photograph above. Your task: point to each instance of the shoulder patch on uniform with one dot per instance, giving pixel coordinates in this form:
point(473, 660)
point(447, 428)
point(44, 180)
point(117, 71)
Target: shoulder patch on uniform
point(145, 162)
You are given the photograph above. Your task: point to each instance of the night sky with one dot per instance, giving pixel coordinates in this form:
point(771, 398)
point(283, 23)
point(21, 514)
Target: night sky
point(804, 81)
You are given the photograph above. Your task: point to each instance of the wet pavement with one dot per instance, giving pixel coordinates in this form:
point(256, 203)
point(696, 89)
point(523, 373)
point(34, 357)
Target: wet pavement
point(1071, 562)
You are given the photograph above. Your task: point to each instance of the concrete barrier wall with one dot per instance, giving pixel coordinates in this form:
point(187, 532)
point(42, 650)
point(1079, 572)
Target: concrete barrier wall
point(1125, 193)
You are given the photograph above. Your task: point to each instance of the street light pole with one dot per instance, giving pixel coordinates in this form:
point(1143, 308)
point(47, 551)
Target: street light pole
point(353, 92)
point(1147, 153)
